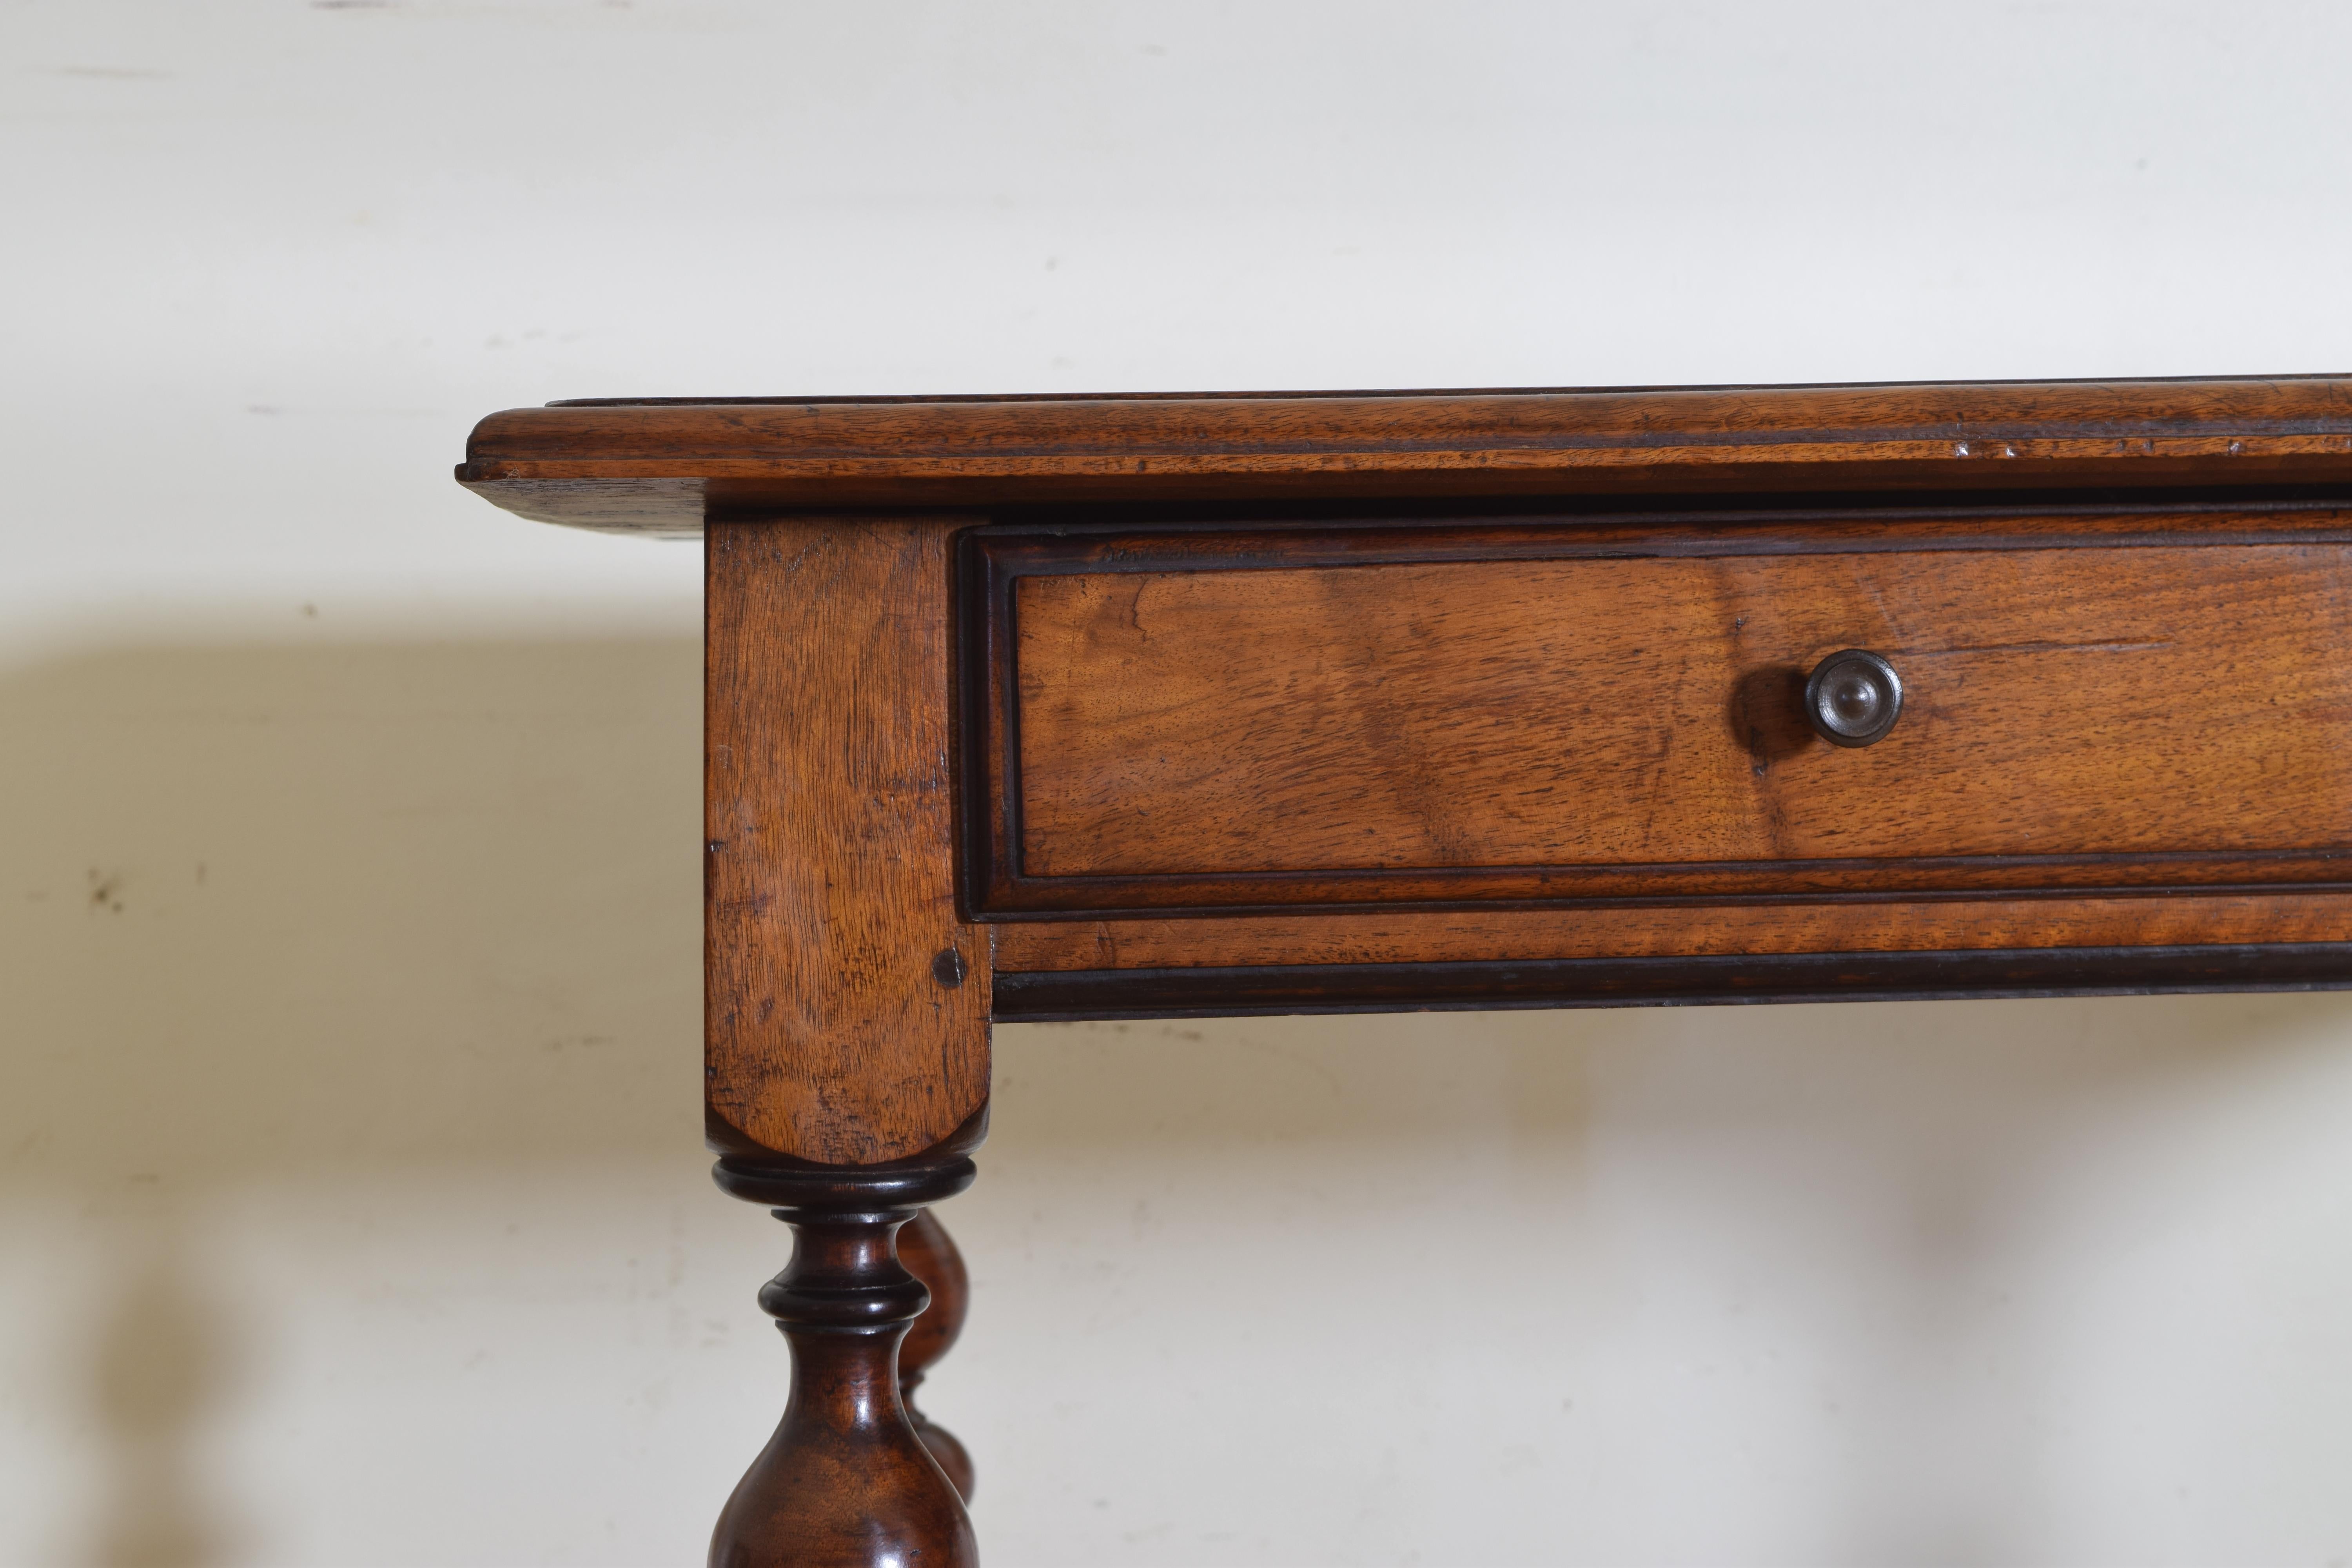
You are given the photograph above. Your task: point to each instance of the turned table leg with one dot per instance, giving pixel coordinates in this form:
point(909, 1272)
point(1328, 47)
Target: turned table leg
point(931, 1255)
point(848, 1481)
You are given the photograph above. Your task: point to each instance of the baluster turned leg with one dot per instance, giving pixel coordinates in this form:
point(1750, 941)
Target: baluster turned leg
point(931, 1255)
point(846, 1481)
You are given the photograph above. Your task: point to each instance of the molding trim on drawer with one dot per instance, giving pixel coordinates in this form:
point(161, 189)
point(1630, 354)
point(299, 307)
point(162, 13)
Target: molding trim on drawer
point(1270, 989)
point(1580, 710)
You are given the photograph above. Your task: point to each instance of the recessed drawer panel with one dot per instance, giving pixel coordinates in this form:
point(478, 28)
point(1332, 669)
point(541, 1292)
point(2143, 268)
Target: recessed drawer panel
point(1577, 711)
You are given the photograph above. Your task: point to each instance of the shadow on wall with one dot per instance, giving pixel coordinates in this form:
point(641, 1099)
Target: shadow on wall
point(272, 913)
point(163, 1358)
point(276, 911)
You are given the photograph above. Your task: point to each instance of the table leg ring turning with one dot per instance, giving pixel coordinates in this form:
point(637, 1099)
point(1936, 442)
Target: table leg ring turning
point(850, 1479)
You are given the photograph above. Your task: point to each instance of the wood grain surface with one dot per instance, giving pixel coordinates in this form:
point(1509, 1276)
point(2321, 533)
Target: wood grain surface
point(1651, 930)
point(847, 1007)
point(1424, 724)
point(589, 463)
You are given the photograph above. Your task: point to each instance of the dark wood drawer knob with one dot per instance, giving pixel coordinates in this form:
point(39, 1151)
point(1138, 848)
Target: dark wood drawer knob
point(1853, 697)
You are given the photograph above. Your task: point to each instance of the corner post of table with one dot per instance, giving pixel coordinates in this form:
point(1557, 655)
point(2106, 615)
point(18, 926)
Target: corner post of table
point(847, 1066)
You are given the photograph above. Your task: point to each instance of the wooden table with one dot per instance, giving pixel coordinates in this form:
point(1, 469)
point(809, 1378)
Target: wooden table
point(1049, 708)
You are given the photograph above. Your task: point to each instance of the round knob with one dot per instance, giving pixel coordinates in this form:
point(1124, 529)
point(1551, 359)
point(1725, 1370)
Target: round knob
point(1853, 697)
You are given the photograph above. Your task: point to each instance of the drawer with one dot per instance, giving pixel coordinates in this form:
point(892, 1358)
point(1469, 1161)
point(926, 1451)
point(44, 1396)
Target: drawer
point(1542, 711)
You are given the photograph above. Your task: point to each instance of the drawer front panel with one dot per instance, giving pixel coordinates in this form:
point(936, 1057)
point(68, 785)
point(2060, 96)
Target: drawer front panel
point(1461, 715)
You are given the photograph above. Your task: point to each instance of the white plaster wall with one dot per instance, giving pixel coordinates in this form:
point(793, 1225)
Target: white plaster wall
point(352, 1210)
